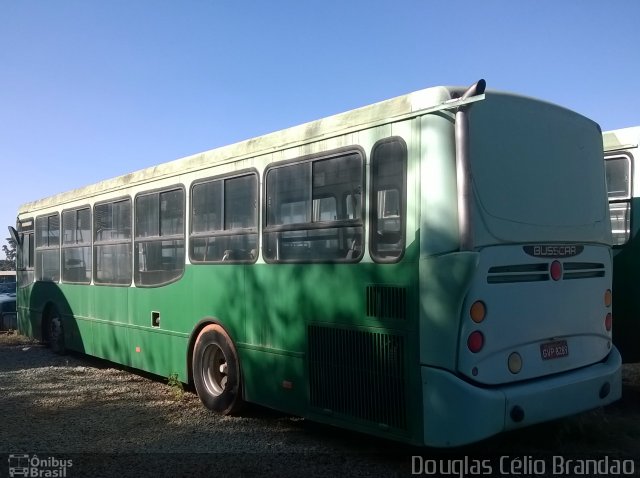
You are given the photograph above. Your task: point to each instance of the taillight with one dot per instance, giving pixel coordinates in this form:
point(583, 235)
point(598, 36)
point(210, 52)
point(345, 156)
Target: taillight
point(608, 322)
point(478, 311)
point(556, 270)
point(514, 363)
point(475, 341)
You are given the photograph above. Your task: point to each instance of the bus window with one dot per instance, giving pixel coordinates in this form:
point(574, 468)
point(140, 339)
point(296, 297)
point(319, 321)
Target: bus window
point(159, 234)
point(618, 171)
point(112, 242)
point(304, 220)
point(48, 248)
point(388, 199)
point(76, 246)
point(224, 220)
point(618, 177)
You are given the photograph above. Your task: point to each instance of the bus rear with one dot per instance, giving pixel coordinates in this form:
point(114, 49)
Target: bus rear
point(531, 277)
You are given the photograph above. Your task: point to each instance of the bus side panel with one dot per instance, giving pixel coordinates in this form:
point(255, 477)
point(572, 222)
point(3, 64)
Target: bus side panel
point(160, 320)
point(158, 352)
point(110, 342)
point(77, 322)
point(317, 345)
point(444, 282)
point(110, 323)
point(79, 334)
point(210, 291)
point(274, 379)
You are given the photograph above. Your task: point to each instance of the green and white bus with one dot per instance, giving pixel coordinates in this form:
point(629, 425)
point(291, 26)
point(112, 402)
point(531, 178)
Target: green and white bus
point(434, 268)
point(620, 149)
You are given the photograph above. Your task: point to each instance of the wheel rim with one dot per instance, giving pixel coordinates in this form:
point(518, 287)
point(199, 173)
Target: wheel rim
point(214, 370)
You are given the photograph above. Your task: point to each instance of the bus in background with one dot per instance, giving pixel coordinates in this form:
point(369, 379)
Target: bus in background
point(428, 268)
point(620, 149)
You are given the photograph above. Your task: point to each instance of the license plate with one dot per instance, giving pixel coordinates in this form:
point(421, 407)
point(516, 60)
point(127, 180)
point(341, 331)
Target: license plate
point(554, 350)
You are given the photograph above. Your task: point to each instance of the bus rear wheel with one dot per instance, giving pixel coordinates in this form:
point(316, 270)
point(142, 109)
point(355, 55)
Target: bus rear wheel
point(216, 370)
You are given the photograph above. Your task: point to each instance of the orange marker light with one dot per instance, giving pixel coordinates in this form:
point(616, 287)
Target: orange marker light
point(514, 363)
point(478, 311)
point(608, 298)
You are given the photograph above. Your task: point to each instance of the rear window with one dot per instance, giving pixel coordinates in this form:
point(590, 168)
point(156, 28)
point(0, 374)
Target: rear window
point(535, 163)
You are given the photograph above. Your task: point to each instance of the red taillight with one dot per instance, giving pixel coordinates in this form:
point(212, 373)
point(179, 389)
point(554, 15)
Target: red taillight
point(556, 270)
point(608, 322)
point(475, 341)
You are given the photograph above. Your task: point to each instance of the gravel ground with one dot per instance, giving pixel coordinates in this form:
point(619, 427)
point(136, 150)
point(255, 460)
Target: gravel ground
point(111, 421)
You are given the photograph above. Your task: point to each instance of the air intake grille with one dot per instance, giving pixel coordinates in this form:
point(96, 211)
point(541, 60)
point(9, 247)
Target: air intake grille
point(518, 273)
point(540, 272)
point(386, 302)
point(358, 374)
point(582, 270)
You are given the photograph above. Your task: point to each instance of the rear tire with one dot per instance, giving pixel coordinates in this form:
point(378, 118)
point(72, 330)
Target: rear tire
point(56, 333)
point(216, 371)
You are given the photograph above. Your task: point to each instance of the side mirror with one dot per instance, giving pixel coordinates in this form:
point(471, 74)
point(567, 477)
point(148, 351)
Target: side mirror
point(17, 238)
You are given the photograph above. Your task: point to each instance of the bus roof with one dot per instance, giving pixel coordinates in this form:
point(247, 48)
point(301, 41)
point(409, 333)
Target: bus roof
point(409, 105)
point(619, 139)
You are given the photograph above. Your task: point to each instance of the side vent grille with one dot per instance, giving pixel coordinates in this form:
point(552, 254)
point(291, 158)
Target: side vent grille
point(386, 302)
point(582, 270)
point(358, 374)
point(518, 273)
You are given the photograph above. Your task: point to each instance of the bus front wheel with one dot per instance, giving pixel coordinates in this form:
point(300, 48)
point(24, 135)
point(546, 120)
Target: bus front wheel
point(216, 370)
point(56, 334)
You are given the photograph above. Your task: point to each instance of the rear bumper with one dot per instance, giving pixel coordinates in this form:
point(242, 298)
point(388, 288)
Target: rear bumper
point(457, 412)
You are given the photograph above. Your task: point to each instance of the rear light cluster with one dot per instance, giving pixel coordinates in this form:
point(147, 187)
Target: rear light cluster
point(477, 312)
point(608, 320)
point(475, 340)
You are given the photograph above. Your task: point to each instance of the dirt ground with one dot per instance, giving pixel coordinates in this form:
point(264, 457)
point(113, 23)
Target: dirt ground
point(110, 421)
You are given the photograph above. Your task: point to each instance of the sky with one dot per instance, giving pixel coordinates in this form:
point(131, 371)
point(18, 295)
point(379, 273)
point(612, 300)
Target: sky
point(93, 89)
